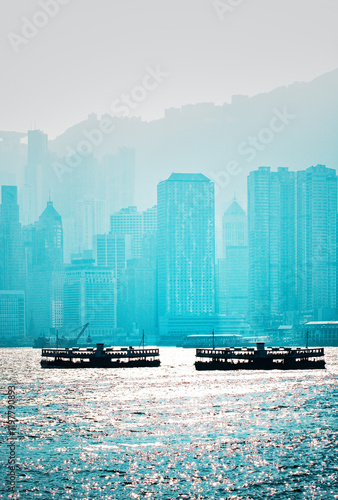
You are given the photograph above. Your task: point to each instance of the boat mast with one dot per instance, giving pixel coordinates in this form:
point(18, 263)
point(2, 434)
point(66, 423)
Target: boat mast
point(142, 340)
point(213, 339)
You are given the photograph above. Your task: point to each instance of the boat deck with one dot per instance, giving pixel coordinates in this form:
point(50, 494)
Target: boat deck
point(260, 357)
point(109, 357)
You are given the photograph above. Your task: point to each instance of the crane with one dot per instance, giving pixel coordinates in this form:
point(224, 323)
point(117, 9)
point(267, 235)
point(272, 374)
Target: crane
point(75, 340)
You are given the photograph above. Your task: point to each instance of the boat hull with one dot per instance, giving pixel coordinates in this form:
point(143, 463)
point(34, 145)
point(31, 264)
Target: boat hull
point(262, 365)
point(99, 364)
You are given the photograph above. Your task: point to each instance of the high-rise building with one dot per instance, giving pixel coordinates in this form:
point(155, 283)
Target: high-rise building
point(119, 169)
point(11, 248)
point(129, 221)
point(317, 242)
point(272, 244)
point(12, 316)
point(112, 251)
point(45, 273)
point(235, 227)
point(137, 291)
point(235, 266)
point(186, 246)
point(34, 190)
point(13, 157)
point(91, 219)
point(90, 297)
point(49, 237)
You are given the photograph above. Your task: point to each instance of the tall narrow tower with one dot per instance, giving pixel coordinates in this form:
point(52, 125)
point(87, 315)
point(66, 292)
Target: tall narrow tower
point(11, 249)
point(186, 246)
point(272, 239)
point(234, 268)
point(317, 239)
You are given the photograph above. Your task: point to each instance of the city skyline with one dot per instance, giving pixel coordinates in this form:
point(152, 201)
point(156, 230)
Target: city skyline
point(163, 260)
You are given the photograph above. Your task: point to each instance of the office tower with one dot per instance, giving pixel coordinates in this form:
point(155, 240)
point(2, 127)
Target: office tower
point(90, 297)
point(186, 246)
point(45, 276)
point(12, 316)
point(34, 189)
point(220, 288)
point(69, 240)
point(48, 237)
point(91, 219)
point(317, 241)
point(235, 227)
point(13, 158)
point(128, 221)
point(120, 179)
point(11, 248)
point(272, 244)
point(236, 260)
point(112, 251)
point(137, 292)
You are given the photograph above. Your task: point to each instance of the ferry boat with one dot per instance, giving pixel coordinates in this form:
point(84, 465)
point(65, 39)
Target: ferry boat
point(260, 358)
point(100, 357)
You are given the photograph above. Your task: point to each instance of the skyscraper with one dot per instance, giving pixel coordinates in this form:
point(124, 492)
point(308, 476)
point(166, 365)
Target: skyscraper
point(235, 269)
point(317, 241)
point(120, 179)
point(90, 296)
point(91, 219)
point(186, 246)
point(12, 316)
point(35, 190)
point(112, 251)
point(11, 248)
point(272, 244)
point(129, 221)
point(45, 277)
point(235, 227)
point(49, 237)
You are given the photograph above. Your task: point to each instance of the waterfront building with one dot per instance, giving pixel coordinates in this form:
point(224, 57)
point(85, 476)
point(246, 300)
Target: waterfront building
point(235, 266)
point(11, 247)
point(12, 316)
point(317, 242)
point(186, 246)
point(272, 245)
point(45, 271)
point(90, 297)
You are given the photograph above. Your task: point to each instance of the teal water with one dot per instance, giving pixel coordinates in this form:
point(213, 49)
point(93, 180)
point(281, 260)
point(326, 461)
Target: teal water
point(170, 432)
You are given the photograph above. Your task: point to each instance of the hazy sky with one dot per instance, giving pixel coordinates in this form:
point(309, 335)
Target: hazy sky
point(93, 51)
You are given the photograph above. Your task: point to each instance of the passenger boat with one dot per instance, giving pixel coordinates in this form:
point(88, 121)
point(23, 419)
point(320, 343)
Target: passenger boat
point(260, 358)
point(100, 357)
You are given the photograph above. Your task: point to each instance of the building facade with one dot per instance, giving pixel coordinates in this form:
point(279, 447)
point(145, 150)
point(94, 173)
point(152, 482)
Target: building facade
point(130, 222)
point(272, 245)
point(186, 246)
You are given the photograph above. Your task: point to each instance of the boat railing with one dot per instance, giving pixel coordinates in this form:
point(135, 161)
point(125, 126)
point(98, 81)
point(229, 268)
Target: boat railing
point(271, 352)
point(106, 353)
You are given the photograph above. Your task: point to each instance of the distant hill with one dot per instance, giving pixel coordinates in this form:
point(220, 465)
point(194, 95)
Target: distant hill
point(205, 138)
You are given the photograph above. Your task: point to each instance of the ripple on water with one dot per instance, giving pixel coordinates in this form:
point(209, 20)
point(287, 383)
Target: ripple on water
point(171, 432)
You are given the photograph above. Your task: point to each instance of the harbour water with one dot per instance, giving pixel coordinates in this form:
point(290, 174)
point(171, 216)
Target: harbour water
point(170, 432)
